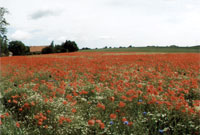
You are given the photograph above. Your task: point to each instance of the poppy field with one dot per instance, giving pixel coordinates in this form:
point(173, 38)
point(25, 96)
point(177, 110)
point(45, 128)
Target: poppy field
point(100, 93)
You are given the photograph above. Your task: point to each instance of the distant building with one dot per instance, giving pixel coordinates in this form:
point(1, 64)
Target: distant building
point(10, 54)
point(36, 48)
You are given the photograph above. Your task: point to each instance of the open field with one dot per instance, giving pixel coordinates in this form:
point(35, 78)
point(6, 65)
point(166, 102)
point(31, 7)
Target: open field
point(150, 49)
point(100, 93)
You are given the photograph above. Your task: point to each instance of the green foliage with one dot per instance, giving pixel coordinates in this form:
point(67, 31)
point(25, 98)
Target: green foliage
point(48, 50)
point(59, 49)
point(18, 48)
point(150, 49)
point(85, 48)
point(70, 46)
point(4, 46)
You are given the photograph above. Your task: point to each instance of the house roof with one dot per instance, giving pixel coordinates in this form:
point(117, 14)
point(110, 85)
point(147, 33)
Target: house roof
point(36, 48)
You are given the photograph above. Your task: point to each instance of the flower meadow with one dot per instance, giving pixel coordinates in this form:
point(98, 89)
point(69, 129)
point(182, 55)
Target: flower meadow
point(99, 93)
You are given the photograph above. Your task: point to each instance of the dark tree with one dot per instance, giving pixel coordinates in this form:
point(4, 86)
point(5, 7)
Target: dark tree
point(58, 49)
point(4, 46)
point(86, 48)
point(52, 44)
point(48, 50)
point(18, 48)
point(69, 46)
point(173, 46)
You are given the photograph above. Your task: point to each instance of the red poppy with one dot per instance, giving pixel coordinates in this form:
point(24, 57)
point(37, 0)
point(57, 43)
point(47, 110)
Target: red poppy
point(102, 126)
point(124, 119)
point(101, 106)
point(68, 120)
point(33, 103)
point(64, 102)
point(7, 114)
point(113, 116)
point(98, 121)
point(112, 99)
point(2, 116)
point(73, 110)
point(91, 122)
point(17, 124)
point(121, 104)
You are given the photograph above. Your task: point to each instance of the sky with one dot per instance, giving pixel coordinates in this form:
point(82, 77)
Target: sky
point(100, 23)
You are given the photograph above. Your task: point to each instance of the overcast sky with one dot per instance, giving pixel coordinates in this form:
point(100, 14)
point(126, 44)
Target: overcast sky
point(99, 23)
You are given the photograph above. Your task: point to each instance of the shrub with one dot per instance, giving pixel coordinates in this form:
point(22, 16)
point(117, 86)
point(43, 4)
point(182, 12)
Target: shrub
point(70, 46)
point(18, 48)
point(47, 50)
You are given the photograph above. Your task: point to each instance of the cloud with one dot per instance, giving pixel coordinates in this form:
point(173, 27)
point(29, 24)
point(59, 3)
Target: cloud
point(105, 22)
point(20, 35)
point(43, 13)
point(104, 37)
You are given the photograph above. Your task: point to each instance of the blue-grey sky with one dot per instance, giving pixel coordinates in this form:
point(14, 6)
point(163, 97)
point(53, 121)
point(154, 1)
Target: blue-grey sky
point(99, 23)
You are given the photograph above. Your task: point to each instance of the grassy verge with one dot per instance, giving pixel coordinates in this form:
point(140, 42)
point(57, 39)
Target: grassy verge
point(149, 49)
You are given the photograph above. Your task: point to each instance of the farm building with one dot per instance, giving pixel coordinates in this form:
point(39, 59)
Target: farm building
point(36, 48)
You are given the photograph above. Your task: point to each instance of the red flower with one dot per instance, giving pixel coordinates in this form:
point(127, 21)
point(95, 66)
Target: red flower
point(130, 123)
point(26, 105)
point(124, 119)
point(39, 123)
point(2, 116)
point(20, 109)
point(46, 126)
point(73, 103)
point(7, 114)
point(73, 110)
point(112, 99)
point(15, 101)
point(48, 111)
point(64, 102)
point(69, 97)
point(17, 124)
point(102, 125)
point(32, 103)
point(113, 116)
point(98, 121)
point(101, 106)
point(68, 120)
point(121, 104)
point(91, 122)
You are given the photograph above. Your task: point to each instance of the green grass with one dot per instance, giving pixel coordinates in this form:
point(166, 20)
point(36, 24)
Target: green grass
point(149, 49)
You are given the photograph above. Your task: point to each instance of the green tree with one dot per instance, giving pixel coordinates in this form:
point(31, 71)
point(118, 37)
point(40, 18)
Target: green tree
point(47, 50)
point(70, 46)
point(3, 39)
point(59, 49)
point(18, 48)
point(52, 44)
point(4, 46)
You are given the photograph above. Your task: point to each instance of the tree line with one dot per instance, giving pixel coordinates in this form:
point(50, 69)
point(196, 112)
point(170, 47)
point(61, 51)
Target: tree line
point(19, 48)
point(67, 46)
